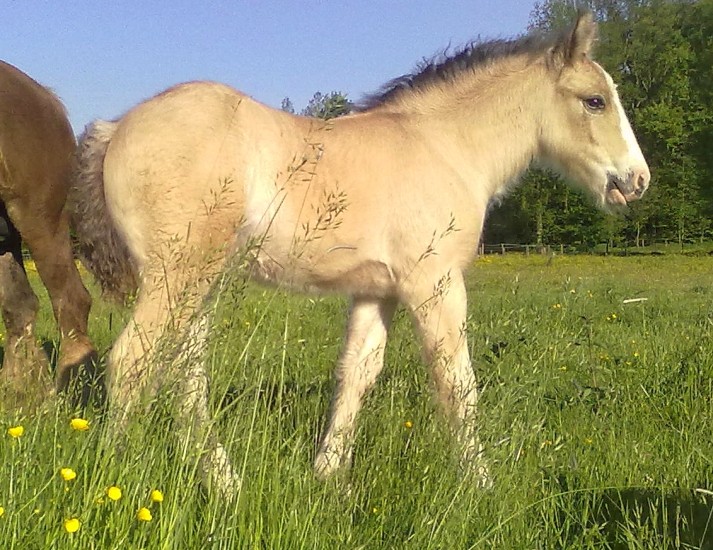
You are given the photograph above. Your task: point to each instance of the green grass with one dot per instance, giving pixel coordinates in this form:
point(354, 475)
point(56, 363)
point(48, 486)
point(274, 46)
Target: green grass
point(596, 415)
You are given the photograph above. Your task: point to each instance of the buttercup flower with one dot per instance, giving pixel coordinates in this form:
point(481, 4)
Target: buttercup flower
point(79, 424)
point(156, 496)
point(67, 474)
point(144, 514)
point(408, 424)
point(72, 525)
point(114, 493)
point(16, 431)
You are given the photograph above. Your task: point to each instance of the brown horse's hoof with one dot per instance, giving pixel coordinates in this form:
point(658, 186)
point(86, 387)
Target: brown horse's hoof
point(82, 381)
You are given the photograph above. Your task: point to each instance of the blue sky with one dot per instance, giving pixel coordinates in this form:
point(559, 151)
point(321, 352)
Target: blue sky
point(102, 57)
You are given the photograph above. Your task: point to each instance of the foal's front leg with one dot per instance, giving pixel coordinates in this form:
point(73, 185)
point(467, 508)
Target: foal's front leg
point(360, 363)
point(439, 312)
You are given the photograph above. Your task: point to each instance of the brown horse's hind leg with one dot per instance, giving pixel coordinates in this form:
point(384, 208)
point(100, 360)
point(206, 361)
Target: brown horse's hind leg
point(438, 307)
point(51, 250)
point(25, 369)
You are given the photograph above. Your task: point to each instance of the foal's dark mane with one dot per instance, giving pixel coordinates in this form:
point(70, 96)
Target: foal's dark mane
point(445, 67)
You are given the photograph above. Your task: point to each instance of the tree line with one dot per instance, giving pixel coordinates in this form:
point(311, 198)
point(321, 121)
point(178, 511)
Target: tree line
point(660, 53)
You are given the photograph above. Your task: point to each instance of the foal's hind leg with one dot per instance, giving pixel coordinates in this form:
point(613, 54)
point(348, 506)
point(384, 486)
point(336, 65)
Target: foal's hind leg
point(167, 330)
point(439, 311)
point(361, 362)
point(192, 413)
point(25, 365)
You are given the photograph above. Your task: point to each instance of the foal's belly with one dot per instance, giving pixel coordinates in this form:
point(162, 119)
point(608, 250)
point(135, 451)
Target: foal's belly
point(339, 269)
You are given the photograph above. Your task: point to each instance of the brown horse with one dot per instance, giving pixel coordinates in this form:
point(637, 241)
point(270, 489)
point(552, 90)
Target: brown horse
point(37, 152)
point(386, 205)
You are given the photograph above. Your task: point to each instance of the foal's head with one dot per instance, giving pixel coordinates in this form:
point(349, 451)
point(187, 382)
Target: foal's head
point(586, 135)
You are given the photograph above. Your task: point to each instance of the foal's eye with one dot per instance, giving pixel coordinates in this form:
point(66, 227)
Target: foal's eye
point(595, 103)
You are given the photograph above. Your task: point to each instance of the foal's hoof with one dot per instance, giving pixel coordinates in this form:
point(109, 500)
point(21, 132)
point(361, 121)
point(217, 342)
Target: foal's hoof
point(482, 476)
point(327, 464)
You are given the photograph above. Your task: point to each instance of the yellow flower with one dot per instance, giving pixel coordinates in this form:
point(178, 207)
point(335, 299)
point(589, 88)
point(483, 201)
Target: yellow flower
point(79, 424)
point(144, 514)
point(72, 525)
point(408, 424)
point(2, 511)
point(16, 431)
point(67, 474)
point(156, 496)
point(114, 493)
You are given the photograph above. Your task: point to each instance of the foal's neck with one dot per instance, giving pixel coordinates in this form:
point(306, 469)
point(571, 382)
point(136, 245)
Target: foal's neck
point(493, 117)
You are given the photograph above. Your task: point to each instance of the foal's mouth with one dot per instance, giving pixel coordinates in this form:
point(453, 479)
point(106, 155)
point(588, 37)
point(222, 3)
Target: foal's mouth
point(620, 192)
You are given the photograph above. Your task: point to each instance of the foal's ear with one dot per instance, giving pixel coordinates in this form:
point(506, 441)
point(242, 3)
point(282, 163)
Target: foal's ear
point(576, 44)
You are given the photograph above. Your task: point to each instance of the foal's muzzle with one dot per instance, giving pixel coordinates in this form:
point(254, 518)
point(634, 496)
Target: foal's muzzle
point(623, 191)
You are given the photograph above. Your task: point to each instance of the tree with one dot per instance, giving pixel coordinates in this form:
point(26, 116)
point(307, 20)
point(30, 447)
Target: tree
point(328, 106)
point(331, 105)
point(287, 106)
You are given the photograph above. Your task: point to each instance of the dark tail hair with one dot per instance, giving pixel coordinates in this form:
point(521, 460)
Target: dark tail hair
point(100, 247)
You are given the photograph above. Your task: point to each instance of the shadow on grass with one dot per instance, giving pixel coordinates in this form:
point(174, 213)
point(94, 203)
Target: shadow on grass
point(651, 518)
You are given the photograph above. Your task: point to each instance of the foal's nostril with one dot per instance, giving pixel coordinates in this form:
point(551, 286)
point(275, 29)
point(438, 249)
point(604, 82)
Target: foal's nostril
point(641, 181)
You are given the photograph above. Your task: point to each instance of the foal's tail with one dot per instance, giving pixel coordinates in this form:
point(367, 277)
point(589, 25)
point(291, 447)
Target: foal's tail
point(101, 248)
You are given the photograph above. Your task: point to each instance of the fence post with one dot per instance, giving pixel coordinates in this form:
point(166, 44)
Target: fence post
point(502, 249)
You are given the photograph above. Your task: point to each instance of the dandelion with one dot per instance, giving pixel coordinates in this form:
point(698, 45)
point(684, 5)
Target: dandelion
point(144, 514)
point(67, 474)
point(114, 493)
point(156, 496)
point(408, 424)
point(72, 525)
point(16, 431)
point(79, 424)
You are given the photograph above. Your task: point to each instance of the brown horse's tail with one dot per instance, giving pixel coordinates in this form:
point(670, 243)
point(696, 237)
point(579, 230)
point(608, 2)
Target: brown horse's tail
point(100, 247)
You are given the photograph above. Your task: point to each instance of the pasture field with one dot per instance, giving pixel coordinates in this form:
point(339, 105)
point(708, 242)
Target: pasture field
point(596, 416)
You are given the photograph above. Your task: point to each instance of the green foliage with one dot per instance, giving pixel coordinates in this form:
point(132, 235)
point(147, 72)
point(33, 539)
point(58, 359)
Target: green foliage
point(328, 106)
point(322, 106)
